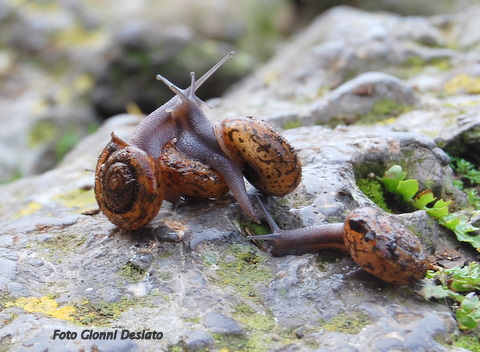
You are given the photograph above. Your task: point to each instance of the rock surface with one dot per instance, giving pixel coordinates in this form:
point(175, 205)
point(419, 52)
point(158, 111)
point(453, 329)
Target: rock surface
point(191, 274)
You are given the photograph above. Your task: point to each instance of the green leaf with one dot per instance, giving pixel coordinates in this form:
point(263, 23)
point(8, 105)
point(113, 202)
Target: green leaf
point(392, 177)
point(408, 189)
point(423, 198)
point(430, 290)
point(461, 231)
point(468, 314)
point(450, 221)
point(438, 213)
point(466, 322)
point(459, 278)
point(441, 204)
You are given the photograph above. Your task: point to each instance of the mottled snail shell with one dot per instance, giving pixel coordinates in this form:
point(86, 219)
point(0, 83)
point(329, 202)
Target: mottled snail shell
point(128, 185)
point(185, 176)
point(270, 163)
point(386, 249)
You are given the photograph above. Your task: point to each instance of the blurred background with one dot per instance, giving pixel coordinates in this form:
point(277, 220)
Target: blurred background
point(67, 65)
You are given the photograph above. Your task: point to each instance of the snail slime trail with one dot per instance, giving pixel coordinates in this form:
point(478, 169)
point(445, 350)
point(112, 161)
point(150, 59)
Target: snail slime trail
point(176, 151)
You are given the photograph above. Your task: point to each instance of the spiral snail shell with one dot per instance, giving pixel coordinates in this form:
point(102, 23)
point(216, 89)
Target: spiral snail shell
point(176, 151)
point(269, 162)
point(128, 185)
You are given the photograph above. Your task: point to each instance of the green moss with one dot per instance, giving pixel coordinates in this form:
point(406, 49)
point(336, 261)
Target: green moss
point(4, 298)
point(61, 245)
point(348, 323)
point(175, 348)
point(261, 327)
point(415, 64)
point(103, 313)
point(373, 189)
point(132, 273)
point(470, 341)
point(382, 110)
point(262, 331)
point(6, 343)
point(234, 343)
point(443, 64)
point(256, 229)
point(241, 267)
point(210, 258)
point(42, 132)
point(292, 124)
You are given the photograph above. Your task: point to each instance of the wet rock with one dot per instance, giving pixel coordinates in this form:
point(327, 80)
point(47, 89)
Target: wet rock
point(462, 140)
point(358, 96)
point(191, 274)
point(199, 340)
point(39, 332)
point(221, 324)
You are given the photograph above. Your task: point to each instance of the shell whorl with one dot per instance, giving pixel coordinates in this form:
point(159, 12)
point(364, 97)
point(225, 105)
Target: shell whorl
point(128, 185)
point(270, 163)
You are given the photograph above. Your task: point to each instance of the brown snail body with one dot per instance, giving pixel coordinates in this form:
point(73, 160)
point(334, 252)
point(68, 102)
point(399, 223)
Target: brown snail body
point(203, 167)
point(379, 245)
point(184, 176)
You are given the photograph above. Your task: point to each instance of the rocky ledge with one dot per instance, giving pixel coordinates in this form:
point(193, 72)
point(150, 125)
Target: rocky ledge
point(386, 90)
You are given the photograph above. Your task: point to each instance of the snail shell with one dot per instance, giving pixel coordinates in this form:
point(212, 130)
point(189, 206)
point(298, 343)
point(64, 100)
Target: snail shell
point(189, 177)
point(270, 163)
point(386, 249)
point(128, 185)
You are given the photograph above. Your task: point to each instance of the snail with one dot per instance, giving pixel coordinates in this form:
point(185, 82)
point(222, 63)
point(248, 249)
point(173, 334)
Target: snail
point(219, 156)
point(376, 242)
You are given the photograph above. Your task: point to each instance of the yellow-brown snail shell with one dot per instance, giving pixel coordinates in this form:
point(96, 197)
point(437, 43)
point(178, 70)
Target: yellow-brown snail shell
point(128, 185)
point(269, 162)
point(383, 247)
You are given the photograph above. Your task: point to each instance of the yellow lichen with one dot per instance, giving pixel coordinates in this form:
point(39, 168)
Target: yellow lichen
point(463, 83)
point(78, 200)
point(31, 208)
point(45, 305)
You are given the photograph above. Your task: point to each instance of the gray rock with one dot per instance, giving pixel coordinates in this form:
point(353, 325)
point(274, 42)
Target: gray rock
point(199, 340)
point(191, 274)
point(357, 97)
point(219, 323)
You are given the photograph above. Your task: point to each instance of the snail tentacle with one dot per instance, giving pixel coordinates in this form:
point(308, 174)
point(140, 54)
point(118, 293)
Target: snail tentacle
point(196, 138)
point(303, 240)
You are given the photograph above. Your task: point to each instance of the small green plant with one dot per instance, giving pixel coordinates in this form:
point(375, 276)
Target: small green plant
point(460, 285)
point(395, 182)
point(467, 180)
